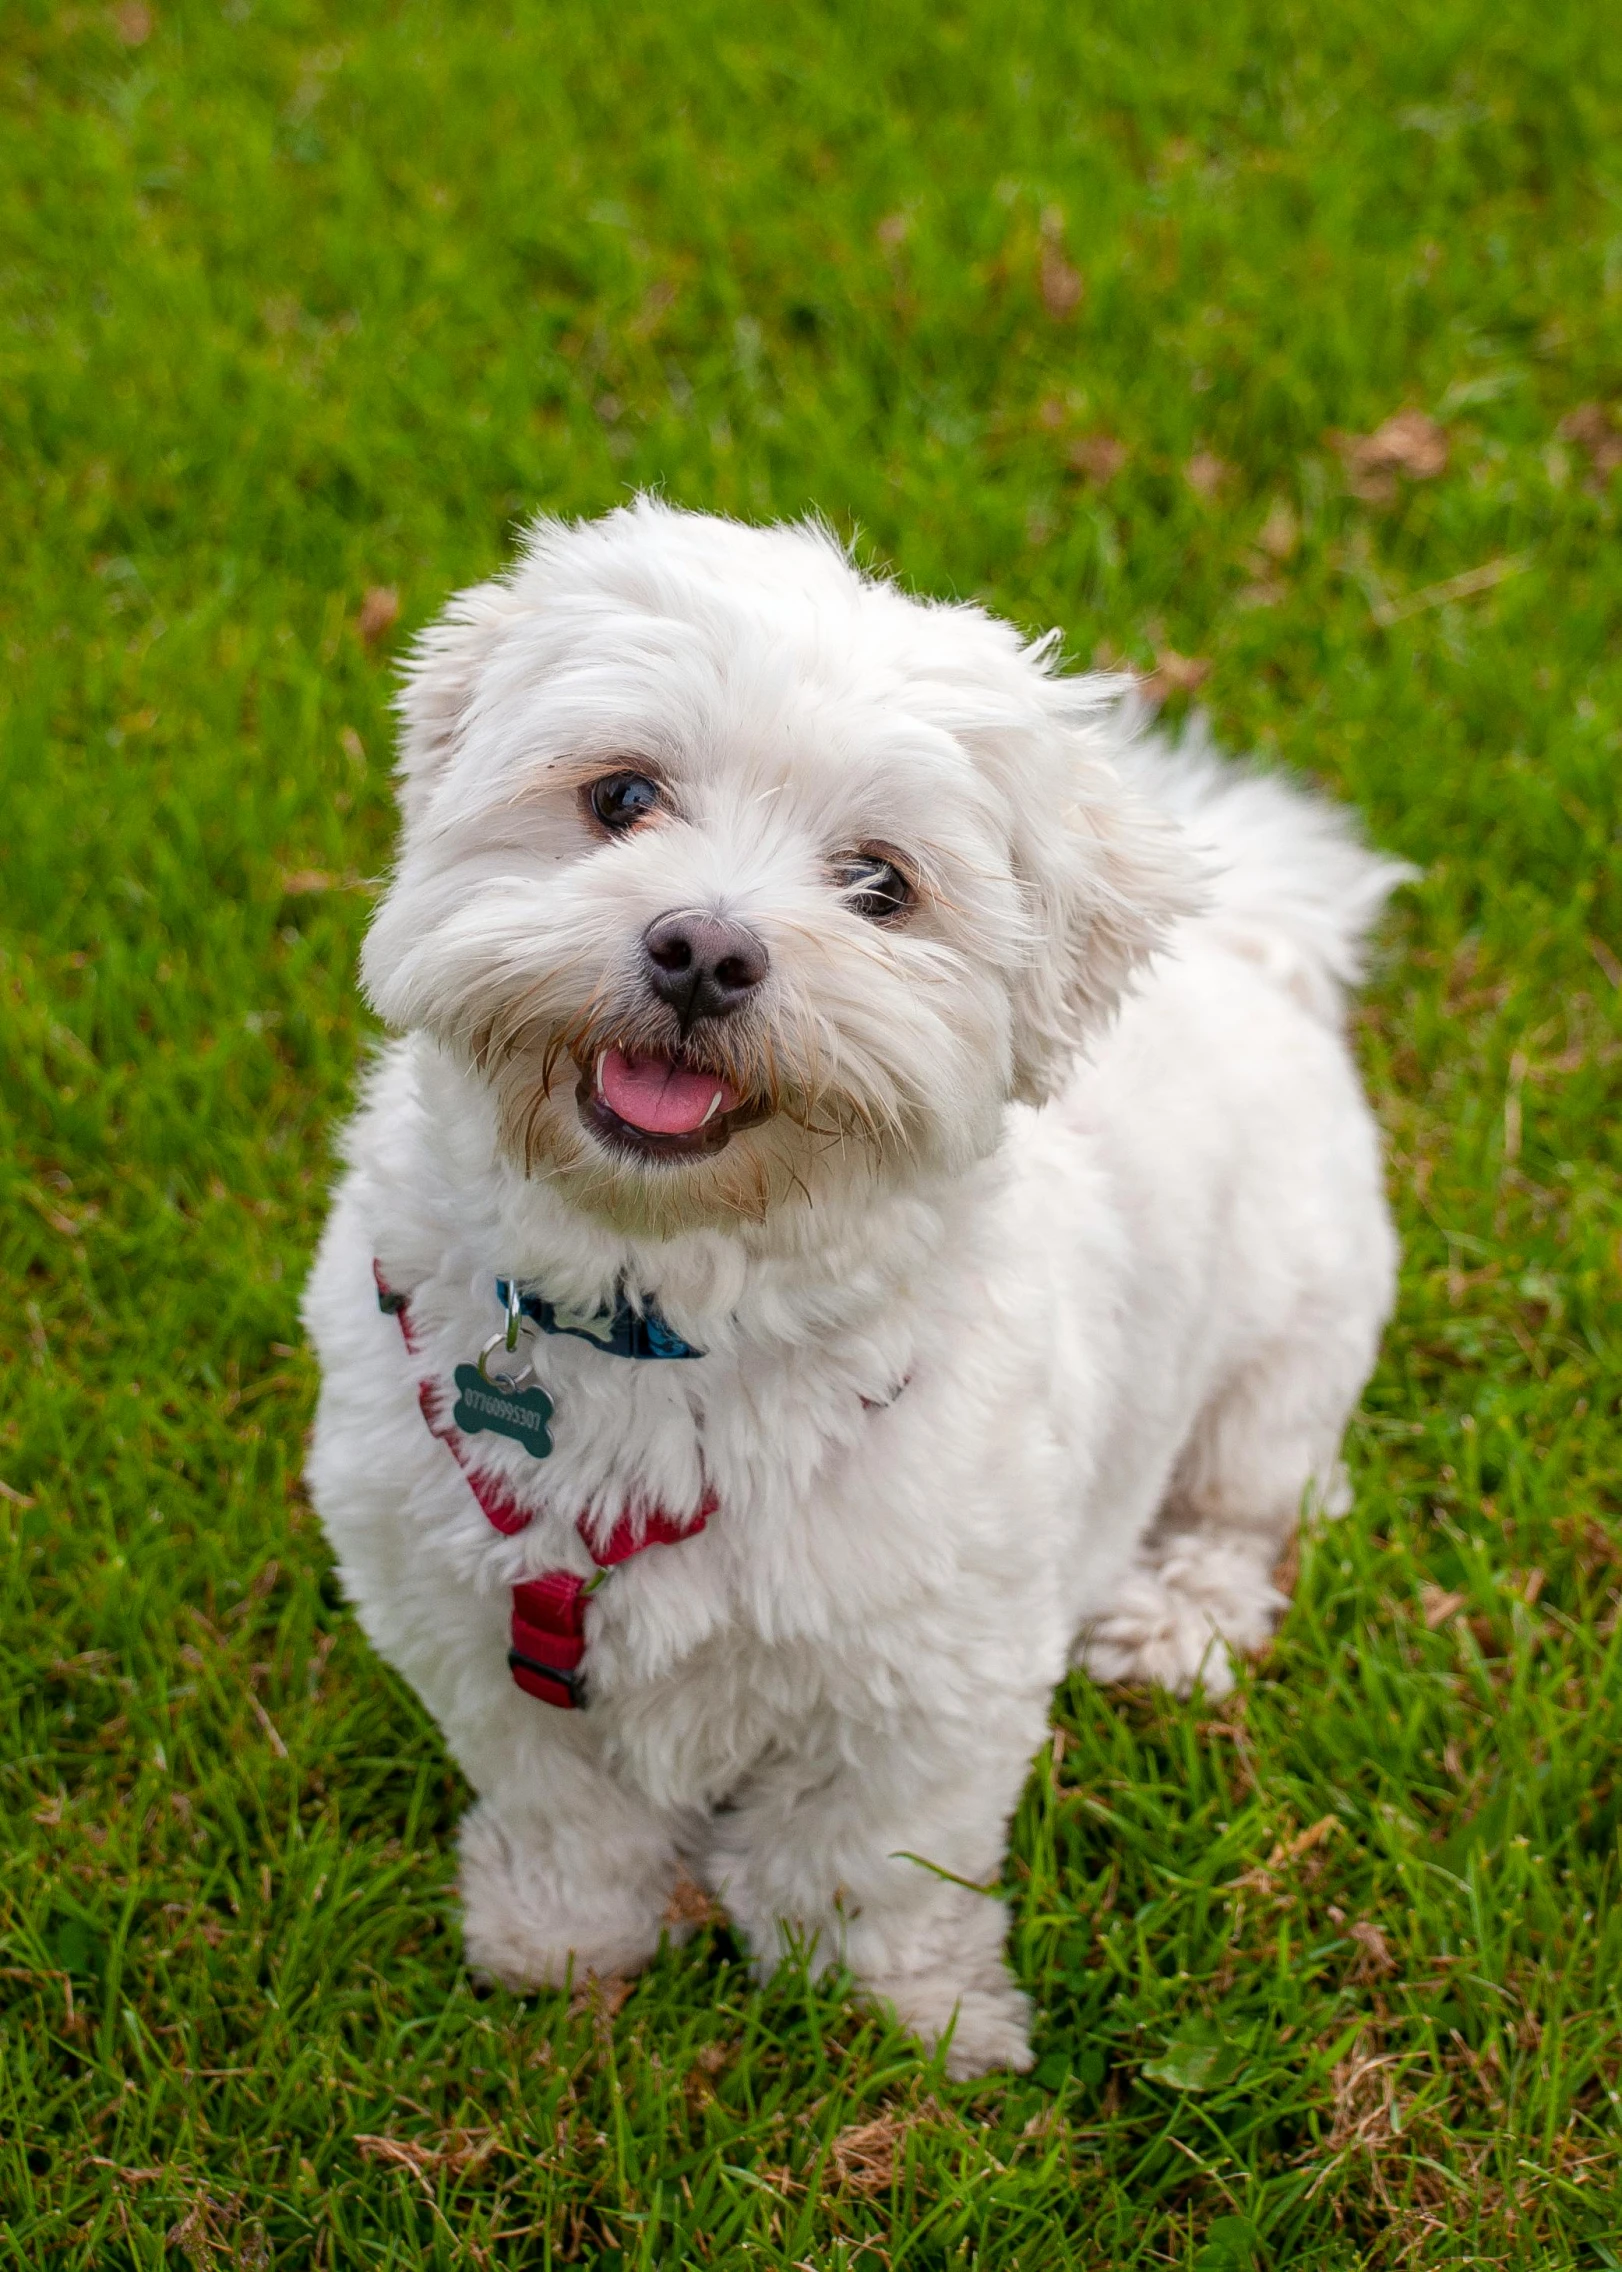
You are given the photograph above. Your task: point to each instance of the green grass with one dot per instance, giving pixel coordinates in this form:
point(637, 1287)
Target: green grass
point(297, 301)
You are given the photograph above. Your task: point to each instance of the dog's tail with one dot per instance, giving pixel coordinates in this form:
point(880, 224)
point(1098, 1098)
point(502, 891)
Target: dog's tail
point(1289, 881)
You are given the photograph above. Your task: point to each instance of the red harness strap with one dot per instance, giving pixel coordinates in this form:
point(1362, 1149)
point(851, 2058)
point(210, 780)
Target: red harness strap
point(549, 1612)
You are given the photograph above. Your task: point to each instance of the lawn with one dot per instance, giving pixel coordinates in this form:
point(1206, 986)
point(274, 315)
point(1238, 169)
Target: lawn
point(1100, 311)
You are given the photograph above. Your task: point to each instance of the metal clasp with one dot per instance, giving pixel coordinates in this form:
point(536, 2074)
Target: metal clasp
point(507, 1340)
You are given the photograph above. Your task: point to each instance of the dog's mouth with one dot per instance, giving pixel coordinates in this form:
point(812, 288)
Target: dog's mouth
point(660, 1107)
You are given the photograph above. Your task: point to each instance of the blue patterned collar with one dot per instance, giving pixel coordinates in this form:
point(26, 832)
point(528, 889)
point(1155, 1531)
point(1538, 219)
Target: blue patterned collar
point(618, 1332)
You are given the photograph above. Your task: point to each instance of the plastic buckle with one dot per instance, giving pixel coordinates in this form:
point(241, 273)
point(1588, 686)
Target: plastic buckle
point(573, 1684)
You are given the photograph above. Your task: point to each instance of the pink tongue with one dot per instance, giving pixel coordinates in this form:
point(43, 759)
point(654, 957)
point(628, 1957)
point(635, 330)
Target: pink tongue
point(659, 1096)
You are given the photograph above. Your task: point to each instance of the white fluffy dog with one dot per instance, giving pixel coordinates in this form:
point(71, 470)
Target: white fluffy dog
point(873, 1171)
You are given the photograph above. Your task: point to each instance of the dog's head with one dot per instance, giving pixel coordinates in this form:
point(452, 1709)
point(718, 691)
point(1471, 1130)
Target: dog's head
point(735, 872)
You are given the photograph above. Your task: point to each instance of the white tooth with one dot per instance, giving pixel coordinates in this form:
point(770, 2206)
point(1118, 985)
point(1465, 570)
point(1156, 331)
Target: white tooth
point(715, 1106)
point(600, 1072)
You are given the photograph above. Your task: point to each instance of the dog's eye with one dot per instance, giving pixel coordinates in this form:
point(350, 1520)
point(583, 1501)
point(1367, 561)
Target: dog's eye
point(874, 888)
point(620, 800)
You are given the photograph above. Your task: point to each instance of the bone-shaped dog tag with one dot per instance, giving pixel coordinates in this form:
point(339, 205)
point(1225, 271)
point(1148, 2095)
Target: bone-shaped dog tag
point(484, 1409)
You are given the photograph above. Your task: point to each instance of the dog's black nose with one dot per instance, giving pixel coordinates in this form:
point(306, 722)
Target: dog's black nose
point(702, 965)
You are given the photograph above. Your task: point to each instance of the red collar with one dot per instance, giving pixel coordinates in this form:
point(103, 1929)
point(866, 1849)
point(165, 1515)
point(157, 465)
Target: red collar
point(549, 1612)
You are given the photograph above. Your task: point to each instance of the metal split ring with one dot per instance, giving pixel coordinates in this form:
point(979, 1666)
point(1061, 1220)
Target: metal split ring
point(508, 1383)
point(507, 1340)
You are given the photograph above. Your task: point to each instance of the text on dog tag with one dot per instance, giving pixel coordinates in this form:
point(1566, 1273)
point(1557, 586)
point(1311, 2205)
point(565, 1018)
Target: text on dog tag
point(521, 1413)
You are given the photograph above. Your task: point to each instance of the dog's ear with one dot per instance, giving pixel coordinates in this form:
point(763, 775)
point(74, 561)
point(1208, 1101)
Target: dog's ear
point(440, 683)
point(1105, 877)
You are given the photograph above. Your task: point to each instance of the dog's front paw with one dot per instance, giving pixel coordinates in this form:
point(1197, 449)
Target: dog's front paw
point(989, 2027)
point(523, 1926)
point(992, 2030)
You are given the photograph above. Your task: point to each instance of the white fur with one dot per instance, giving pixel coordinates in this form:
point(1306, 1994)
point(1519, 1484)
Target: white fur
point(1114, 1215)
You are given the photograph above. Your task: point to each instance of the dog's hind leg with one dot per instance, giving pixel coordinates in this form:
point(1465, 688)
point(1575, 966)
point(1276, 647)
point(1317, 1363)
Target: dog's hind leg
point(1203, 1587)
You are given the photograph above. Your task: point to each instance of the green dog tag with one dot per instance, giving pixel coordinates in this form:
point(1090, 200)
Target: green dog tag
point(521, 1413)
